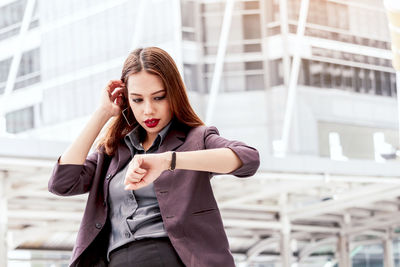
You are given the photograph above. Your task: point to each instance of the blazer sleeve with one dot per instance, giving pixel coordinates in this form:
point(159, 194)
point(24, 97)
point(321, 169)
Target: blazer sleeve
point(73, 179)
point(247, 154)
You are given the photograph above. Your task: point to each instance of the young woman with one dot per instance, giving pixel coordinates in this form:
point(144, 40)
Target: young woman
point(150, 200)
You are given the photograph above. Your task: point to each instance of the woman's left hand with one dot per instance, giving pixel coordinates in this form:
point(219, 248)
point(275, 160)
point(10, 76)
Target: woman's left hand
point(145, 169)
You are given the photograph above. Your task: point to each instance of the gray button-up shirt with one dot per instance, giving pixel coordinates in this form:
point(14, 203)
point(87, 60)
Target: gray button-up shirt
point(134, 214)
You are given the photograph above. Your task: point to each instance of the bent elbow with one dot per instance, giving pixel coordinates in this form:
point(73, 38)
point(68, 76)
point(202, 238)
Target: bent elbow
point(250, 159)
point(57, 188)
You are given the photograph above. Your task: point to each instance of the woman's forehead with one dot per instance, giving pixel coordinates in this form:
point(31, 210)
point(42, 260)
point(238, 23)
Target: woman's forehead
point(144, 83)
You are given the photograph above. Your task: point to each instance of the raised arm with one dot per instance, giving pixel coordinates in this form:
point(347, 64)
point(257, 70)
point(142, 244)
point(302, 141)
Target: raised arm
point(74, 171)
point(77, 152)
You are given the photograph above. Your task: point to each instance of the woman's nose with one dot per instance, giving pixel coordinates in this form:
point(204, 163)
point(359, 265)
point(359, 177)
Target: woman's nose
point(148, 108)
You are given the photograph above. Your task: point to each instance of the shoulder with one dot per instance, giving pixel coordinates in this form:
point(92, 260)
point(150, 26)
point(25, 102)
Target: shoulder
point(202, 131)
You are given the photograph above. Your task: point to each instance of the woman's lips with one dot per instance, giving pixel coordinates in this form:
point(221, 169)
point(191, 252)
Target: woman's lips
point(151, 123)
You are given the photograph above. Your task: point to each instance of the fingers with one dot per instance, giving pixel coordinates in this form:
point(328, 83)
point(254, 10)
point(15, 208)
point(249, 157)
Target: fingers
point(135, 186)
point(113, 84)
point(135, 173)
point(136, 162)
point(138, 177)
point(135, 180)
point(133, 177)
point(118, 94)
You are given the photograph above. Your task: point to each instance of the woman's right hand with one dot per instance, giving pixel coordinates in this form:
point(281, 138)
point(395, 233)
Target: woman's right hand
point(112, 97)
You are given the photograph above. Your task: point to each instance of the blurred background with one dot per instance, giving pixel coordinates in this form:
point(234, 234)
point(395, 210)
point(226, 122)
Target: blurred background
point(309, 83)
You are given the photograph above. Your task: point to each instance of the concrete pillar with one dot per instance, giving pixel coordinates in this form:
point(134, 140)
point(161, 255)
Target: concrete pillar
point(285, 248)
point(344, 251)
point(3, 218)
point(388, 260)
point(283, 12)
point(344, 243)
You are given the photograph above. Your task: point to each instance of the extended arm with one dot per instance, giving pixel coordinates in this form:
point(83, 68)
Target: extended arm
point(218, 160)
point(145, 168)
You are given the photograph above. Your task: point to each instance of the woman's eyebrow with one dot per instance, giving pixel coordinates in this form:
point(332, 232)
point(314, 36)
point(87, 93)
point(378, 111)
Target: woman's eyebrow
point(159, 91)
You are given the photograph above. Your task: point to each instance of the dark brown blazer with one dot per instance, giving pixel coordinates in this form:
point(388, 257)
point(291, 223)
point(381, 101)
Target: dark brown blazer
point(188, 208)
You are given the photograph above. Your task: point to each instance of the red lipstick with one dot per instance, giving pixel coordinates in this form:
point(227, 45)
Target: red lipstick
point(151, 123)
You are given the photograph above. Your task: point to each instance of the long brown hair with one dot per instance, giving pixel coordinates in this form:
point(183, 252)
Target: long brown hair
point(156, 61)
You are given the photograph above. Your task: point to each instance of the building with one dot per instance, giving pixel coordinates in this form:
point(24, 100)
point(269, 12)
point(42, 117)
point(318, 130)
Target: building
point(343, 115)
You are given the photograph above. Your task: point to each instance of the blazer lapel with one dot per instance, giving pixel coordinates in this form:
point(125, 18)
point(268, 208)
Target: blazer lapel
point(174, 139)
point(123, 155)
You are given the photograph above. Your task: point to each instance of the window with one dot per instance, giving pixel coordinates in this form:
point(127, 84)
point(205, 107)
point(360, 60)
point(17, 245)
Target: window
point(386, 91)
point(254, 65)
point(252, 48)
point(28, 72)
point(251, 5)
point(251, 27)
point(190, 77)
point(187, 10)
point(233, 83)
point(213, 7)
point(378, 84)
point(20, 120)
point(212, 28)
point(11, 17)
point(272, 11)
point(4, 70)
point(315, 72)
point(276, 72)
point(12, 13)
point(29, 69)
point(254, 82)
point(337, 76)
point(368, 79)
point(358, 79)
point(188, 20)
point(347, 78)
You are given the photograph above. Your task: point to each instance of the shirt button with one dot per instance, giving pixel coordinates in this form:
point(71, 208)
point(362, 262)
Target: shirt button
point(98, 225)
point(127, 234)
point(131, 197)
point(104, 203)
point(109, 176)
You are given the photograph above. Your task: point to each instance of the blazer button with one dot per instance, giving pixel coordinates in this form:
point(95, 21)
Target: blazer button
point(127, 234)
point(98, 225)
point(108, 176)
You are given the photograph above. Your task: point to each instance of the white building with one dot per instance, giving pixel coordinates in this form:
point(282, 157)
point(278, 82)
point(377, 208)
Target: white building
point(332, 198)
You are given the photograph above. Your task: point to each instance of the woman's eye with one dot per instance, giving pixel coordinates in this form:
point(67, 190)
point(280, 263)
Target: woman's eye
point(137, 100)
point(159, 97)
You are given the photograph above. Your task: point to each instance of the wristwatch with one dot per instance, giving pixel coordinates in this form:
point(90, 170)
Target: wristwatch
point(173, 162)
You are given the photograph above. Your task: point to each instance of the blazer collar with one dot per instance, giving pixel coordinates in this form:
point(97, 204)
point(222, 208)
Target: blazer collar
point(175, 138)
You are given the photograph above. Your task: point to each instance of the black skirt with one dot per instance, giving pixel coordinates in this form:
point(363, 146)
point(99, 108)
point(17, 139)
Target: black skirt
point(149, 252)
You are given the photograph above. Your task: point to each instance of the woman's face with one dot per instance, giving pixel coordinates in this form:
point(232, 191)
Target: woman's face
point(148, 101)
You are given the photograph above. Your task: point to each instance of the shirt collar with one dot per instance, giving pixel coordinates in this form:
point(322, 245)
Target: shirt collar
point(136, 136)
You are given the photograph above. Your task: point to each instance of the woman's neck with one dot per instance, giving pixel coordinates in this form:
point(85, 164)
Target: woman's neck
point(149, 140)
